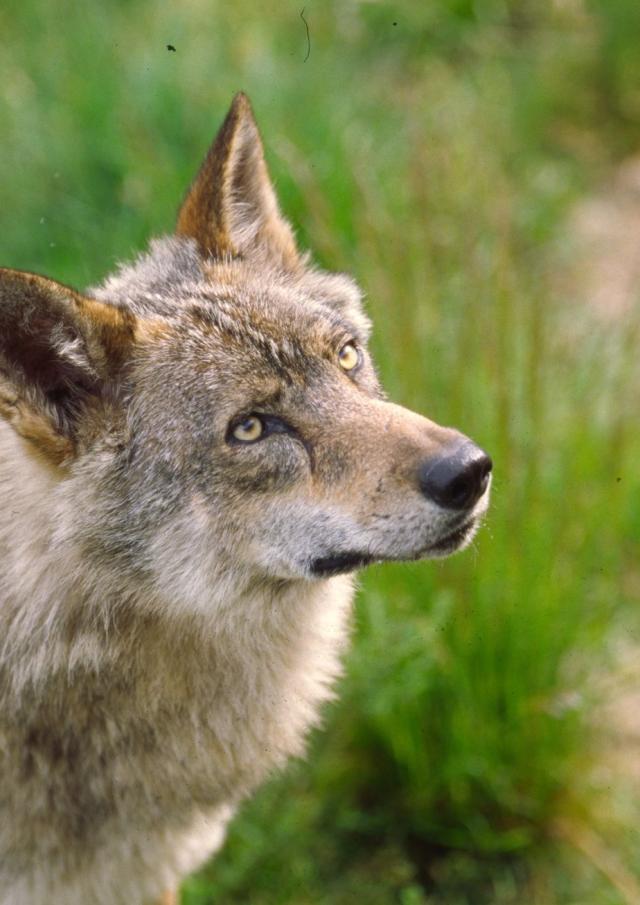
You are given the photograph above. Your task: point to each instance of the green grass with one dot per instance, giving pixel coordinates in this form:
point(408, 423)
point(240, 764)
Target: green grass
point(434, 150)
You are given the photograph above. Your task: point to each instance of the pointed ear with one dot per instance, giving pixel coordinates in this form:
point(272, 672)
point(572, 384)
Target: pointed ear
point(231, 207)
point(57, 351)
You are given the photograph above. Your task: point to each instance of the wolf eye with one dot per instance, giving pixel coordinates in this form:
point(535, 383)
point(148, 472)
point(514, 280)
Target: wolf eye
point(349, 357)
point(248, 430)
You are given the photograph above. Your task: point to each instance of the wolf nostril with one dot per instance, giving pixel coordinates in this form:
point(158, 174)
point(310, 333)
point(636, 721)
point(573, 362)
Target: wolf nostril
point(456, 480)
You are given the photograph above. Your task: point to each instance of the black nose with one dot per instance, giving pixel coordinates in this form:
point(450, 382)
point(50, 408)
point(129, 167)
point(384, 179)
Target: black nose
point(457, 479)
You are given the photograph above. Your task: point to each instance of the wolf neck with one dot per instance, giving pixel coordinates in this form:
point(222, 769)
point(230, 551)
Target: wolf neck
point(55, 621)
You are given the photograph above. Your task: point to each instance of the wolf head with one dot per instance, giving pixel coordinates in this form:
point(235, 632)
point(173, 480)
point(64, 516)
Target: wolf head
point(212, 411)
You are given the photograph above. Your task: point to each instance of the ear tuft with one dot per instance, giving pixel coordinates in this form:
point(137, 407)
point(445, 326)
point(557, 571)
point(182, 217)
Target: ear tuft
point(231, 207)
point(57, 350)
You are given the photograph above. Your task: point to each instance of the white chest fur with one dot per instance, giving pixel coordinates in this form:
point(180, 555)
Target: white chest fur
point(126, 747)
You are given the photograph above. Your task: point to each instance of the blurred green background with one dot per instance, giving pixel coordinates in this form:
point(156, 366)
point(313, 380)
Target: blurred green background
point(472, 163)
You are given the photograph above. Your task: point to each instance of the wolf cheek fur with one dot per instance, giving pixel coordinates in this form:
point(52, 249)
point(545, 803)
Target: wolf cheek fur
point(193, 458)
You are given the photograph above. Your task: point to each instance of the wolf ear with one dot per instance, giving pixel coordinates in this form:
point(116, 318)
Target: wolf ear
point(231, 207)
point(57, 349)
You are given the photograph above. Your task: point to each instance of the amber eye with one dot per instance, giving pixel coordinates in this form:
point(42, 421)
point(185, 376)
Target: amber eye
point(349, 357)
point(248, 430)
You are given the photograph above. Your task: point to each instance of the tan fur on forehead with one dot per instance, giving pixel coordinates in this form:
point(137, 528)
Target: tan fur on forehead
point(340, 292)
point(173, 272)
point(337, 293)
point(151, 329)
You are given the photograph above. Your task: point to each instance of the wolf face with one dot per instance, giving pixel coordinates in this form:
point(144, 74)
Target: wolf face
point(221, 400)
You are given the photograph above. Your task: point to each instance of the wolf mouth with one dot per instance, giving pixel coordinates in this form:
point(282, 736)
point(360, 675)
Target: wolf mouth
point(326, 566)
point(450, 542)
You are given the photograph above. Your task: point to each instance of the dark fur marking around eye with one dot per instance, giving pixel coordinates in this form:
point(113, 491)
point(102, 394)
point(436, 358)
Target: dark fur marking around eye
point(272, 425)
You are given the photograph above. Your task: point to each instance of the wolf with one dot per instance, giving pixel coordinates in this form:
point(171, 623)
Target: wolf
point(195, 458)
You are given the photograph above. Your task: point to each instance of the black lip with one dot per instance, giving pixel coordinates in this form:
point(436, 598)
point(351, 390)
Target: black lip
point(326, 566)
point(451, 541)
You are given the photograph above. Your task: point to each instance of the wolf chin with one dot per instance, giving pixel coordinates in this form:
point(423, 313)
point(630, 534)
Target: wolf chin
point(194, 458)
